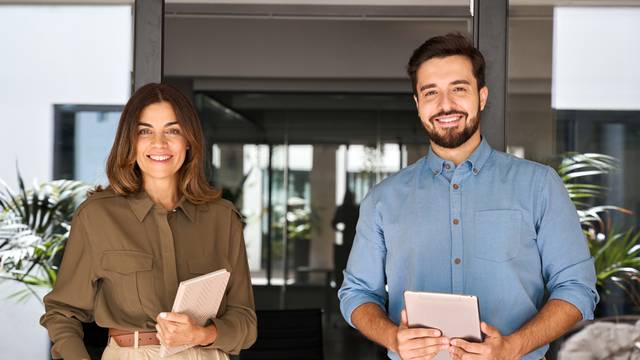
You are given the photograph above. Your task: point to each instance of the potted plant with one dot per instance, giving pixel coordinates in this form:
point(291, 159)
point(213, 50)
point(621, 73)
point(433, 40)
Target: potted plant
point(34, 227)
point(616, 252)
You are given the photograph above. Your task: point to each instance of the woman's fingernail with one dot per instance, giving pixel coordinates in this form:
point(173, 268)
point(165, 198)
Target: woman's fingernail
point(163, 315)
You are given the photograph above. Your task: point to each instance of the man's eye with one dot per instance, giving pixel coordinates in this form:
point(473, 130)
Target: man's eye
point(460, 89)
point(430, 93)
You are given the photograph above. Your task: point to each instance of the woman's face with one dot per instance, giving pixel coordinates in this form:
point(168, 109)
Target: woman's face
point(161, 147)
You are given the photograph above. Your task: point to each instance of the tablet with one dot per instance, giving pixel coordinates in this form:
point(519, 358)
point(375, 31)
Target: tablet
point(456, 316)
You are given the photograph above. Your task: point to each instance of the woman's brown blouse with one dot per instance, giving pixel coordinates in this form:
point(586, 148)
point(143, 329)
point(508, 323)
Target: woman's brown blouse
point(125, 257)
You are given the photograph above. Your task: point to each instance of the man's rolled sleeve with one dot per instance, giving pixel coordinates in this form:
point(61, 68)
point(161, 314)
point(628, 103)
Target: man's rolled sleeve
point(575, 292)
point(567, 265)
point(364, 280)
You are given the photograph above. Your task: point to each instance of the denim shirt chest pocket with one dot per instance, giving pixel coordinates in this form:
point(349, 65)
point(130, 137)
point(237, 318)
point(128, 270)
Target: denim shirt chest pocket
point(497, 235)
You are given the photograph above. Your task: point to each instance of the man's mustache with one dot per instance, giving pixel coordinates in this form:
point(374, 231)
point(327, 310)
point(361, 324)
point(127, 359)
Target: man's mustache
point(450, 112)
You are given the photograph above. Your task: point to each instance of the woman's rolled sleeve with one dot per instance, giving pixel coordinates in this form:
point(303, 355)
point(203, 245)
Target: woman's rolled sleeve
point(71, 300)
point(237, 327)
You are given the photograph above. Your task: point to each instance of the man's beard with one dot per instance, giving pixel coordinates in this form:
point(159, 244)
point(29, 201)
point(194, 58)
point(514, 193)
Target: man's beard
point(452, 138)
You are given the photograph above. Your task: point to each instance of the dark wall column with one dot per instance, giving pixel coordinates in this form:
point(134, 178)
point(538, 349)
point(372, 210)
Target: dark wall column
point(148, 42)
point(490, 30)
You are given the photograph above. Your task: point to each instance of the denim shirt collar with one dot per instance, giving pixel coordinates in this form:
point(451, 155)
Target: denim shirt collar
point(476, 160)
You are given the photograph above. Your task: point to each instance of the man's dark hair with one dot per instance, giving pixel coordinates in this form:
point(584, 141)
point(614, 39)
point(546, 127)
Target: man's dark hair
point(442, 46)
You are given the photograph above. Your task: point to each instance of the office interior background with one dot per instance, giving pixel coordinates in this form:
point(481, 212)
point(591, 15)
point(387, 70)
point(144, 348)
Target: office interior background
point(303, 102)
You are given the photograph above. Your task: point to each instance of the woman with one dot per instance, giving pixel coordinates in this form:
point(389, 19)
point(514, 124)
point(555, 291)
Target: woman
point(156, 224)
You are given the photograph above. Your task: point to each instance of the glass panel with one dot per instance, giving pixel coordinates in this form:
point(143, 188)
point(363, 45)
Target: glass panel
point(573, 79)
point(309, 181)
point(313, 106)
point(83, 139)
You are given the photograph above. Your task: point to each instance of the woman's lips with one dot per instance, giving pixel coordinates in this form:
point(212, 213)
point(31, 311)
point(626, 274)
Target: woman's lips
point(160, 158)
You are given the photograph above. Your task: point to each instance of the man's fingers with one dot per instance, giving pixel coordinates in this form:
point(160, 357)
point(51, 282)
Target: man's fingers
point(408, 334)
point(421, 353)
point(459, 354)
point(475, 348)
point(403, 318)
point(489, 330)
point(422, 343)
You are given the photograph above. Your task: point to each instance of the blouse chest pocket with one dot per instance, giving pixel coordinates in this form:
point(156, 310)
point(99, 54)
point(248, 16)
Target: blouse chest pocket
point(128, 274)
point(497, 234)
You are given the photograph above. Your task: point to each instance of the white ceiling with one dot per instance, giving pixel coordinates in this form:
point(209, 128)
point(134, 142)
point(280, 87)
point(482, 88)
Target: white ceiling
point(346, 2)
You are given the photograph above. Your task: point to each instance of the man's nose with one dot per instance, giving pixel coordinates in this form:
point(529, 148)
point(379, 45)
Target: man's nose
point(445, 102)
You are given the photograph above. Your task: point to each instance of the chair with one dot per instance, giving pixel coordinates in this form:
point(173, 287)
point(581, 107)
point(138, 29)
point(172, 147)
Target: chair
point(287, 334)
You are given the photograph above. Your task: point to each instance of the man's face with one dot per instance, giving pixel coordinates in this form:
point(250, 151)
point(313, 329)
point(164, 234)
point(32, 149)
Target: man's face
point(448, 100)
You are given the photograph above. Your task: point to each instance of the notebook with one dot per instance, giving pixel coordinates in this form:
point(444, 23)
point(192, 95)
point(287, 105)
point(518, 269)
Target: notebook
point(199, 298)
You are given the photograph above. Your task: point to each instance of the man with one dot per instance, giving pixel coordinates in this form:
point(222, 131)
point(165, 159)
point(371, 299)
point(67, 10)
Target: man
point(467, 219)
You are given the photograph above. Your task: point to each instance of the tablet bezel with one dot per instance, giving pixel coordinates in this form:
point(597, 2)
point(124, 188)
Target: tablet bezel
point(456, 316)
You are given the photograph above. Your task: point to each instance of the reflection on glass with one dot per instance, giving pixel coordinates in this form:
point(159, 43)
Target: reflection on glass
point(572, 89)
point(305, 193)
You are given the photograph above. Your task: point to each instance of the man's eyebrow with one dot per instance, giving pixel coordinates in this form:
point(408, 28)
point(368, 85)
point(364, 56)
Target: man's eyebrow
point(427, 86)
point(458, 82)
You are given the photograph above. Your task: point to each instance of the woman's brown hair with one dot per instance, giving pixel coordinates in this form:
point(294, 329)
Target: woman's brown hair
point(123, 171)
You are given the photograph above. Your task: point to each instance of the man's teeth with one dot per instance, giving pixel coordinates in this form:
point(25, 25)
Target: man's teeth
point(159, 157)
point(448, 119)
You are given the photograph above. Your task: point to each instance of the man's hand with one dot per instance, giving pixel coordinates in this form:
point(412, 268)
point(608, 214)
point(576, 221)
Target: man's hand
point(419, 343)
point(494, 347)
point(175, 329)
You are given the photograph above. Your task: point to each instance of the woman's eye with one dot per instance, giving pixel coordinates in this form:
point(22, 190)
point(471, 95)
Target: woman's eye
point(173, 131)
point(144, 131)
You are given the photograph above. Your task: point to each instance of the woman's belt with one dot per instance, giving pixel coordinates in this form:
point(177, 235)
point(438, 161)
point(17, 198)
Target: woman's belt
point(126, 338)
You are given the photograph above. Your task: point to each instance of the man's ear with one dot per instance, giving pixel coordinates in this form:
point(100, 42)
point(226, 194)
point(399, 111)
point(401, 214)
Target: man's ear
point(484, 94)
point(415, 100)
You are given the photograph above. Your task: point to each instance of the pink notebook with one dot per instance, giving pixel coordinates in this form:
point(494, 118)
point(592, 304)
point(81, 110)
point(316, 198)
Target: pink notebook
point(199, 298)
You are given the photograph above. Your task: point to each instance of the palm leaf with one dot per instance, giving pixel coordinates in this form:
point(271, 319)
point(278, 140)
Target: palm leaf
point(34, 227)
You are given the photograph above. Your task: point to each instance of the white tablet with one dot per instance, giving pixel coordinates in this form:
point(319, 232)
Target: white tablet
point(456, 316)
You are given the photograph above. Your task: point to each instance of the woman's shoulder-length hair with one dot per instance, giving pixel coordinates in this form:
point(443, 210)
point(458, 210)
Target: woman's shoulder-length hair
point(123, 171)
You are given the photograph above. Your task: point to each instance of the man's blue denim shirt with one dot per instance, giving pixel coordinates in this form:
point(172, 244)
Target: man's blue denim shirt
point(495, 226)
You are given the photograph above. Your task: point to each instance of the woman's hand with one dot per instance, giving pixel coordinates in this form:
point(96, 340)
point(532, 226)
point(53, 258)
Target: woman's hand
point(175, 329)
